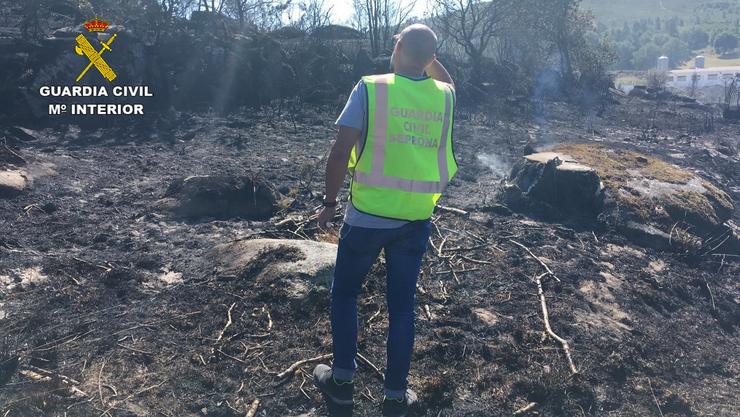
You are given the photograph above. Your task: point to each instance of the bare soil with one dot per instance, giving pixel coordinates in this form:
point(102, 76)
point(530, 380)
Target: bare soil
point(102, 292)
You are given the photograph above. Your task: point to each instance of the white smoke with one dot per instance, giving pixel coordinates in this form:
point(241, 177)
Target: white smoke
point(494, 162)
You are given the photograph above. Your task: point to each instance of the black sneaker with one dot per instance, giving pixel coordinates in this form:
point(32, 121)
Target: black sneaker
point(399, 408)
point(338, 393)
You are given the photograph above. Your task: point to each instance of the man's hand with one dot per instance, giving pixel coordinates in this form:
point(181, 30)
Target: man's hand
point(336, 168)
point(437, 71)
point(325, 216)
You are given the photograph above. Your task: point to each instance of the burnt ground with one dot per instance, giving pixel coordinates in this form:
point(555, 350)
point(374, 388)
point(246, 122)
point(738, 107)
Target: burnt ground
point(101, 303)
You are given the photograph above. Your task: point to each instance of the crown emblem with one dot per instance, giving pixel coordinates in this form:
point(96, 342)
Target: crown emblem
point(96, 25)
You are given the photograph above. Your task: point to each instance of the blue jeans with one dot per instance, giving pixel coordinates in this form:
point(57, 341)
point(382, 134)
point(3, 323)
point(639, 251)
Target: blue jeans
point(358, 249)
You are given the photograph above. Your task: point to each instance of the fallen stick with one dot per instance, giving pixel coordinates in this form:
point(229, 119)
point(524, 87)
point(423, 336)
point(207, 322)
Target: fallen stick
point(372, 366)
point(292, 368)
point(71, 390)
point(253, 408)
point(269, 317)
point(452, 271)
point(452, 210)
point(14, 153)
point(547, 268)
point(526, 408)
point(476, 261)
point(654, 398)
point(546, 318)
point(228, 323)
point(428, 312)
point(100, 385)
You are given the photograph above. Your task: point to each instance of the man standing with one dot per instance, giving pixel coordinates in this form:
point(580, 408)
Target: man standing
point(395, 136)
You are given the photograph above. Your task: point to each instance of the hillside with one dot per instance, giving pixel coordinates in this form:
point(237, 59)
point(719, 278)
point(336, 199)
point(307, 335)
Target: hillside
point(629, 10)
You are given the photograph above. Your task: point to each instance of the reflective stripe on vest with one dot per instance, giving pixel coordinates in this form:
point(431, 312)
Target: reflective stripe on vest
point(376, 177)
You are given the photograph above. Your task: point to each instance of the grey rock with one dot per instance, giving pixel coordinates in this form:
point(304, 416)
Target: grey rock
point(303, 269)
point(12, 183)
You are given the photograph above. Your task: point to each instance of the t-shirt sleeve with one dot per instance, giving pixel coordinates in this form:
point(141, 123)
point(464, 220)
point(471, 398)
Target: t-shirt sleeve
point(354, 111)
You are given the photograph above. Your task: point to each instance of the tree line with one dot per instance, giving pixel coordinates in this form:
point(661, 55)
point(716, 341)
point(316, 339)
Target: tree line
point(638, 44)
point(495, 49)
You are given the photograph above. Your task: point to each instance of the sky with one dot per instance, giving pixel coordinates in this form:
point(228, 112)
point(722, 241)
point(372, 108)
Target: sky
point(342, 10)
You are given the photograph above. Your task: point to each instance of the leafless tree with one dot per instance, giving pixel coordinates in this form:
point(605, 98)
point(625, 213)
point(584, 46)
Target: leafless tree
point(264, 14)
point(314, 14)
point(472, 25)
point(381, 19)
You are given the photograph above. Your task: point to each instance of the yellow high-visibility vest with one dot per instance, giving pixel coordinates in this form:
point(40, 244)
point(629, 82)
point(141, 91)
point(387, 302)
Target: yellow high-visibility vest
point(406, 159)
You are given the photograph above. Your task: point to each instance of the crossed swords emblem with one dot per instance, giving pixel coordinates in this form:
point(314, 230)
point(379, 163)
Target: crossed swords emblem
point(84, 47)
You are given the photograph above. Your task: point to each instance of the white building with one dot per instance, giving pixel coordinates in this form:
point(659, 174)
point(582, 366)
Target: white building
point(703, 77)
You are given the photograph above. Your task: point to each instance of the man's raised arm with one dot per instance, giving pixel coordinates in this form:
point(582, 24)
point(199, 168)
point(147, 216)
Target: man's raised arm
point(437, 71)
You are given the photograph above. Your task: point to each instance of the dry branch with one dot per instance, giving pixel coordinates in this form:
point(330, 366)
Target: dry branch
point(253, 408)
point(528, 407)
point(547, 268)
point(452, 210)
point(546, 318)
point(292, 368)
point(372, 366)
point(41, 375)
point(228, 323)
point(654, 398)
point(269, 317)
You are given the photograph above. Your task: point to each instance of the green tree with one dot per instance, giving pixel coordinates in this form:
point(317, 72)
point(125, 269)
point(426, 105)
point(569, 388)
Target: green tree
point(725, 42)
point(677, 50)
point(646, 57)
point(696, 38)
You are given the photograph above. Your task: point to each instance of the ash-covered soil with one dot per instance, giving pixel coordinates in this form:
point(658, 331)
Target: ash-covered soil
point(109, 306)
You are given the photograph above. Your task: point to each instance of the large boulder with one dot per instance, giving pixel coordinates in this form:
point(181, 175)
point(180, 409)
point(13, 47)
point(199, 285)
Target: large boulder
point(299, 269)
point(652, 202)
point(220, 197)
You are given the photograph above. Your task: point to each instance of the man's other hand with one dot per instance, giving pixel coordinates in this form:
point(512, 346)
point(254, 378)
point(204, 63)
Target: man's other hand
point(325, 217)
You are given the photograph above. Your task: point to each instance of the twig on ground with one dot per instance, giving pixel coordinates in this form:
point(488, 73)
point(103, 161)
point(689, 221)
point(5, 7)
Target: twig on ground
point(143, 352)
point(374, 316)
point(441, 245)
point(546, 319)
point(12, 152)
point(253, 408)
point(711, 296)
point(453, 271)
point(228, 323)
point(528, 407)
point(303, 382)
point(100, 384)
point(476, 261)
point(452, 210)
point(230, 357)
point(372, 366)
point(428, 312)
point(269, 317)
point(104, 268)
point(292, 368)
point(547, 268)
point(654, 398)
point(139, 392)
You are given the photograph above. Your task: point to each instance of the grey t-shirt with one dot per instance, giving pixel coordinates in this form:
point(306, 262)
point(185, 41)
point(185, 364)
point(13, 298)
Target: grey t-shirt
point(355, 115)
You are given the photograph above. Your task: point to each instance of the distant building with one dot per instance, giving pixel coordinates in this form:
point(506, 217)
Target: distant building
point(702, 77)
